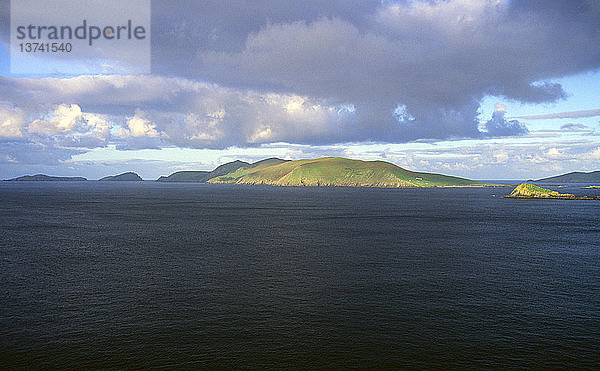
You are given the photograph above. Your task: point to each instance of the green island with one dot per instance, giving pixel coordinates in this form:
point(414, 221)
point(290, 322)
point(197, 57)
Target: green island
point(529, 191)
point(125, 177)
point(337, 172)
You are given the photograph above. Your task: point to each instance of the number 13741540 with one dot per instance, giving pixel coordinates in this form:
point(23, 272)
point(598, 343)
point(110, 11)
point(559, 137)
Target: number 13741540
point(45, 47)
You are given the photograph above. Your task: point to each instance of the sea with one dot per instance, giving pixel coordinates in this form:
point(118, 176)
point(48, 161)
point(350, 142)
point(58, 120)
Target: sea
point(140, 275)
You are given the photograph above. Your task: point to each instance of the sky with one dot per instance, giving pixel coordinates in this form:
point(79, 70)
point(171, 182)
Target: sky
point(483, 89)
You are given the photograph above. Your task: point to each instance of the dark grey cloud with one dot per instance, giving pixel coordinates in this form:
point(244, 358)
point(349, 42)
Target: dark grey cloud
point(34, 152)
point(436, 58)
point(499, 126)
point(183, 28)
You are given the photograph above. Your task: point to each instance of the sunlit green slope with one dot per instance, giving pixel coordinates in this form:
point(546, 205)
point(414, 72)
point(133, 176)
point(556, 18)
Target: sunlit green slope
point(335, 171)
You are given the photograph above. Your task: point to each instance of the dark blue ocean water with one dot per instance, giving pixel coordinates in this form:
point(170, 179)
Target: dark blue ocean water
point(108, 275)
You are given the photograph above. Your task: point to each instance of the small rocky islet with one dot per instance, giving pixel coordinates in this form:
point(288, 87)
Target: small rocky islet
point(531, 191)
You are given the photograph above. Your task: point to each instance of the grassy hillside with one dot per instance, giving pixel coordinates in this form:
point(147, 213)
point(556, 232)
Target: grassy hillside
point(185, 176)
point(267, 162)
point(335, 171)
point(203, 176)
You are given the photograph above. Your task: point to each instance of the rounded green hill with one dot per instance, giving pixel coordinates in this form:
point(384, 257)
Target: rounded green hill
point(339, 172)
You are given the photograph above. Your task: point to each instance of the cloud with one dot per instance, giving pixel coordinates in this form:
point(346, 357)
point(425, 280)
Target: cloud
point(188, 113)
point(98, 124)
point(562, 115)
point(573, 127)
point(178, 112)
point(140, 126)
point(240, 74)
point(21, 153)
point(140, 133)
point(64, 119)
point(501, 156)
point(52, 138)
point(68, 126)
point(108, 94)
point(593, 155)
point(554, 153)
point(93, 131)
point(436, 59)
point(498, 125)
point(12, 121)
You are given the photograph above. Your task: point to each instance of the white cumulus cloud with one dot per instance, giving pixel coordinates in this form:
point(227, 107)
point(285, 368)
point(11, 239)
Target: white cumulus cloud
point(140, 126)
point(12, 121)
point(64, 119)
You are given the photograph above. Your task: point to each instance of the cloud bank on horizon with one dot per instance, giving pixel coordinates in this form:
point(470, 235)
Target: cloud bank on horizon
point(247, 74)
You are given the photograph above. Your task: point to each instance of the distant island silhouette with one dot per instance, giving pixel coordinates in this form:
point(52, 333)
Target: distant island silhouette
point(573, 177)
point(125, 177)
point(47, 178)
